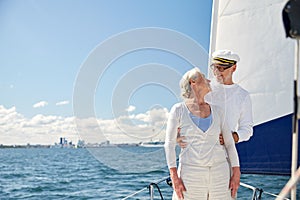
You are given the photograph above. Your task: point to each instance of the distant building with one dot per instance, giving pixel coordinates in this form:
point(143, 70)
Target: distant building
point(63, 143)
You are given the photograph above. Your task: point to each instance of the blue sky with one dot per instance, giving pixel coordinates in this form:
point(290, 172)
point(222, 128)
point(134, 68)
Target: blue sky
point(44, 44)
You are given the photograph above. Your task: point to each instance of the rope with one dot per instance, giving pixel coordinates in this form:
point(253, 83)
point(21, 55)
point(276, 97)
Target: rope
point(274, 195)
point(145, 188)
point(133, 194)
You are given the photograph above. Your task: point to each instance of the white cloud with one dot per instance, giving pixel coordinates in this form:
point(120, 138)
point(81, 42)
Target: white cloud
point(62, 103)
point(40, 104)
point(130, 108)
point(153, 116)
point(40, 129)
point(47, 129)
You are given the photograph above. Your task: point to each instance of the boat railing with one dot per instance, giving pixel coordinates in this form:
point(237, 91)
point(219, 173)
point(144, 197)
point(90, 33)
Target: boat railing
point(256, 192)
point(289, 185)
point(152, 187)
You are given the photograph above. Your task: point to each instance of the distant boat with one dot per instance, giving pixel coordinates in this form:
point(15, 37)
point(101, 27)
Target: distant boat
point(152, 144)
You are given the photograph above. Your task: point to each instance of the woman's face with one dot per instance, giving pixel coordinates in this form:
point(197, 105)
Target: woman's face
point(201, 84)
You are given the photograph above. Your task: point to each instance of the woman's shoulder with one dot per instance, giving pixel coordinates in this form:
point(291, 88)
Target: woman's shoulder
point(177, 106)
point(177, 110)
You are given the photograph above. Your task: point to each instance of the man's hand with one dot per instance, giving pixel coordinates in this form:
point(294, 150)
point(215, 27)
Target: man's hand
point(221, 139)
point(235, 137)
point(180, 139)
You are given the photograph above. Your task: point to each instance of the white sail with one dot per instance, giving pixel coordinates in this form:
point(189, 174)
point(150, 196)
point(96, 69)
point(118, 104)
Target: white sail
point(254, 29)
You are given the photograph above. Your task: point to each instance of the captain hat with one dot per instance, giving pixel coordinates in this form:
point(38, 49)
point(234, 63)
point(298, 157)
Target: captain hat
point(225, 57)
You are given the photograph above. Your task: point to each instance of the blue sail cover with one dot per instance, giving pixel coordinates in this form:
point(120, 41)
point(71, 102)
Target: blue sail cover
point(269, 150)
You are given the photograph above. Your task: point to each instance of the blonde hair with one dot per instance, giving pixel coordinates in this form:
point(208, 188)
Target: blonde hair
point(184, 83)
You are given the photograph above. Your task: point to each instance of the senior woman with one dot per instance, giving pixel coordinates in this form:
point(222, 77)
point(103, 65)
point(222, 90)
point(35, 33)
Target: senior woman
point(204, 169)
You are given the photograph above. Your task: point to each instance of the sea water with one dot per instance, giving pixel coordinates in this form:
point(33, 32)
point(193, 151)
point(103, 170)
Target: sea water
point(99, 173)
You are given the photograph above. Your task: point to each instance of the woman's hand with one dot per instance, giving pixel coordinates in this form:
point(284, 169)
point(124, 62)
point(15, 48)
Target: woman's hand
point(235, 181)
point(177, 183)
point(179, 188)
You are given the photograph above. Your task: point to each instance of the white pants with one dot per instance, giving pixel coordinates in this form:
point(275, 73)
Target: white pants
point(203, 183)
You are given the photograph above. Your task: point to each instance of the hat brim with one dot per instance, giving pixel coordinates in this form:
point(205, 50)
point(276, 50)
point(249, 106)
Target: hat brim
point(223, 61)
point(221, 64)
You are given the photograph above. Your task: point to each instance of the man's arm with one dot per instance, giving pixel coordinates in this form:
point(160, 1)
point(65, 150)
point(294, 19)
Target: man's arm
point(245, 126)
point(234, 135)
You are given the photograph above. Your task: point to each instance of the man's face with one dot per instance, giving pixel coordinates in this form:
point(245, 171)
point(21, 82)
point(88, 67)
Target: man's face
point(223, 73)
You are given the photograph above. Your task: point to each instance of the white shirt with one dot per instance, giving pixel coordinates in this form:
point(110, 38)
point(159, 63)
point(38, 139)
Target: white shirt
point(237, 106)
point(203, 148)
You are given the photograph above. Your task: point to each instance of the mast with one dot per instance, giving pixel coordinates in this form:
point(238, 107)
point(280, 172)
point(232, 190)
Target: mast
point(213, 32)
point(294, 164)
point(291, 22)
point(214, 26)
